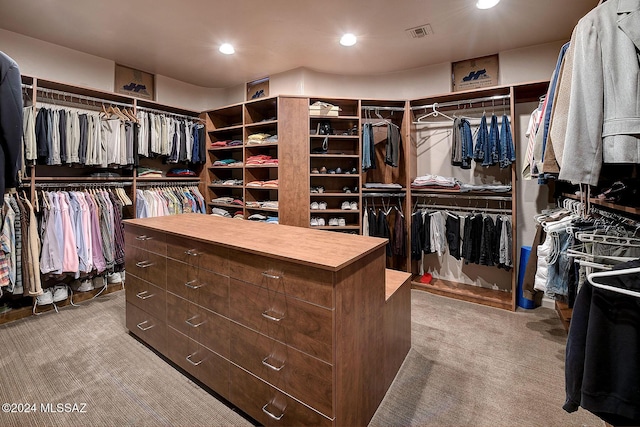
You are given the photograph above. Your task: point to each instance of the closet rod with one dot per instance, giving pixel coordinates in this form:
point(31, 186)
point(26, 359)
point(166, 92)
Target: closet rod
point(77, 184)
point(173, 183)
point(401, 195)
point(26, 86)
point(465, 209)
point(169, 113)
point(374, 108)
point(463, 196)
point(460, 102)
point(86, 98)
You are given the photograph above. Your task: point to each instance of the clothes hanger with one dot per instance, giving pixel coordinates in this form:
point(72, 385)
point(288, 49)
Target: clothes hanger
point(592, 276)
point(434, 113)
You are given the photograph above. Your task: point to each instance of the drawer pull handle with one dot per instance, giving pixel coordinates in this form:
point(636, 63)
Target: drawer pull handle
point(269, 365)
point(143, 237)
point(144, 264)
point(269, 275)
point(190, 284)
point(139, 325)
point(268, 315)
point(143, 295)
point(192, 362)
point(193, 325)
point(192, 252)
point(275, 417)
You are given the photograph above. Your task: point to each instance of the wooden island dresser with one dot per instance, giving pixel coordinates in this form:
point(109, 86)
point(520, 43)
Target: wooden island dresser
point(293, 326)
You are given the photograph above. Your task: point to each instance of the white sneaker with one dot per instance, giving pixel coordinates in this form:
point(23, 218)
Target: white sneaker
point(333, 221)
point(315, 206)
point(60, 293)
point(46, 297)
point(82, 286)
point(342, 222)
point(114, 278)
point(322, 205)
point(122, 275)
point(346, 206)
point(314, 221)
point(321, 222)
point(354, 206)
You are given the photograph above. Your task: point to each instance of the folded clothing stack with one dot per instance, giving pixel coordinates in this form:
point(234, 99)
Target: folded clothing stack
point(261, 159)
point(180, 172)
point(227, 162)
point(149, 173)
point(435, 181)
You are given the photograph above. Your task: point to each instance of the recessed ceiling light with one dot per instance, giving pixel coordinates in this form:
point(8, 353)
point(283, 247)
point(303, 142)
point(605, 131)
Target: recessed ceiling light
point(227, 49)
point(348, 40)
point(486, 4)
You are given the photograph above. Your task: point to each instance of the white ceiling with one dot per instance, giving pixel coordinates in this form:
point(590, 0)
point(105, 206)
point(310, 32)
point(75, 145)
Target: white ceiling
point(179, 39)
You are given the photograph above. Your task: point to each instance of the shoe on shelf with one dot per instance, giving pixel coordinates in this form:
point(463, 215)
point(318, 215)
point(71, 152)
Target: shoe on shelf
point(60, 293)
point(85, 285)
point(321, 222)
point(354, 171)
point(346, 206)
point(331, 171)
point(346, 190)
point(46, 297)
point(354, 206)
point(333, 221)
point(314, 221)
point(320, 189)
point(315, 170)
point(314, 190)
point(342, 222)
point(338, 170)
point(114, 278)
point(315, 205)
point(322, 205)
point(323, 170)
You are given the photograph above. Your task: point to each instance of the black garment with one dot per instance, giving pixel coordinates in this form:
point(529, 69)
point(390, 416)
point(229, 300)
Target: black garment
point(11, 120)
point(452, 226)
point(416, 236)
point(466, 239)
point(182, 152)
point(62, 131)
point(399, 236)
point(495, 245)
point(426, 233)
point(373, 223)
point(136, 156)
point(41, 136)
point(602, 370)
point(383, 230)
point(392, 151)
point(84, 138)
point(486, 242)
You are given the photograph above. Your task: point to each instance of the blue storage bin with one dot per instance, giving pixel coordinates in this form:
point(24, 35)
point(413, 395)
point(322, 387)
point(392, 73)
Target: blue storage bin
point(525, 252)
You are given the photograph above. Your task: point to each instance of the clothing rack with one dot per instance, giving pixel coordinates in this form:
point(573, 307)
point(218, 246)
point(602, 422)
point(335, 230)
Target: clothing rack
point(400, 195)
point(459, 195)
point(460, 102)
point(77, 184)
point(26, 86)
point(172, 183)
point(375, 108)
point(85, 97)
point(168, 113)
point(465, 209)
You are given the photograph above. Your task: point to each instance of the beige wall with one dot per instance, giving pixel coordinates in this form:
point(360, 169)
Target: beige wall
point(53, 62)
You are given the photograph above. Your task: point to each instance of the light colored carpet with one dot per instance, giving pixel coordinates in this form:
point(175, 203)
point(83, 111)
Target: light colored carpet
point(469, 366)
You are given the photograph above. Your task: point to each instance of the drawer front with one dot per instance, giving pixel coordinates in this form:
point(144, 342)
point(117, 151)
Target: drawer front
point(267, 405)
point(197, 254)
point(298, 374)
point(149, 240)
point(148, 266)
point(200, 362)
point(306, 327)
point(148, 328)
point(204, 288)
point(199, 324)
point(146, 296)
point(299, 281)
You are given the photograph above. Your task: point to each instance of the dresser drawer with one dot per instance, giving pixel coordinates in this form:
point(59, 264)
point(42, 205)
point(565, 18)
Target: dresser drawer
point(204, 288)
point(143, 238)
point(198, 254)
point(267, 405)
point(146, 296)
point(295, 280)
point(202, 325)
point(304, 326)
point(148, 266)
point(148, 328)
point(200, 362)
point(304, 377)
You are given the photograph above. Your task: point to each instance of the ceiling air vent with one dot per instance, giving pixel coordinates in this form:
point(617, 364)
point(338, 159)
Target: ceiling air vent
point(420, 31)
